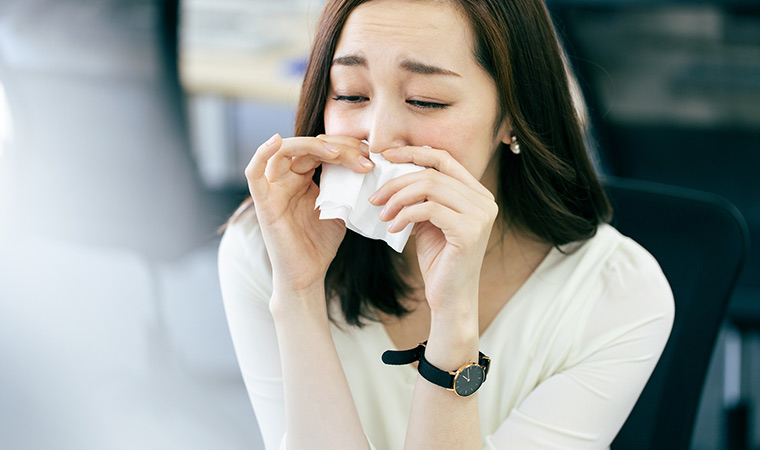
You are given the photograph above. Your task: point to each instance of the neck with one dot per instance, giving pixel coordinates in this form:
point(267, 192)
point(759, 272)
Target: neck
point(508, 251)
point(511, 255)
point(511, 251)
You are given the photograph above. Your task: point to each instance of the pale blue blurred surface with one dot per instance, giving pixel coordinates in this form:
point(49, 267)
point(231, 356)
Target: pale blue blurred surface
point(112, 331)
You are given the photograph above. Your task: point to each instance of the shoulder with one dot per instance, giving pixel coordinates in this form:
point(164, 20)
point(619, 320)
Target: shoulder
point(612, 258)
point(243, 259)
point(631, 272)
point(630, 291)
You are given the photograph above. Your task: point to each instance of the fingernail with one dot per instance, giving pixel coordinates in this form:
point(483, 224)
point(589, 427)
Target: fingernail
point(364, 148)
point(366, 162)
point(383, 212)
point(372, 198)
point(332, 148)
point(271, 140)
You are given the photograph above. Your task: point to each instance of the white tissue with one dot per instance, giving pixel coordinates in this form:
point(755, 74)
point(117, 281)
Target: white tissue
point(344, 194)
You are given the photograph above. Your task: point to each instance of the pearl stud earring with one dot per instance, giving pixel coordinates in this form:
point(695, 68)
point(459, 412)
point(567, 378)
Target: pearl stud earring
point(514, 146)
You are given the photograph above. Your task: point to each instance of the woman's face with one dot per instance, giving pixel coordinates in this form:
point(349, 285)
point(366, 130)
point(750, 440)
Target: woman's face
point(404, 73)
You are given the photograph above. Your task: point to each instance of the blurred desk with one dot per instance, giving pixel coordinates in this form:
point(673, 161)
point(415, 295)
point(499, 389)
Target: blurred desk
point(242, 86)
point(244, 52)
point(272, 76)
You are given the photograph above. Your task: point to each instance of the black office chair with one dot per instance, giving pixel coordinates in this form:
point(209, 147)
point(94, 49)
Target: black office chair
point(620, 47)
point(700, 241)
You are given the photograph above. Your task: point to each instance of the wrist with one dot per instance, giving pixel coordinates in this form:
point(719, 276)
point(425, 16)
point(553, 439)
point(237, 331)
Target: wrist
point(288, 303)
point(456, 303)
point(453, 341)
point(456, 317)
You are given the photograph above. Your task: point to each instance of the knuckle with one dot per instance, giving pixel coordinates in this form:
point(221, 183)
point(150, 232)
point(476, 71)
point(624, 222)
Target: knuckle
point(392, 203)
point(446, 161)
point(440, 154)
point(249, 170)
point(482, 218)
point(402, 216)
point(446, 166)
point(428, 184)
point(493, 210)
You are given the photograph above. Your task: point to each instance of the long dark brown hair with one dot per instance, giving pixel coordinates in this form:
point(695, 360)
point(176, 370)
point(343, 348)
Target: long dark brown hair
point(549, 190)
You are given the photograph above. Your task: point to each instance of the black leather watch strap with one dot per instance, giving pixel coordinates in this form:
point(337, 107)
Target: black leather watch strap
point(427, 370)
point(403, 357)
point(434, 374)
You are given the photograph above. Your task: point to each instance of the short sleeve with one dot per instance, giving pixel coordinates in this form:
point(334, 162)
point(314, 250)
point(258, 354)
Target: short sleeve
point(245, 278)
point(584, 405)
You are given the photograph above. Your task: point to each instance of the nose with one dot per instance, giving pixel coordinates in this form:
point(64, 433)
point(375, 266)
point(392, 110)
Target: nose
point(385, 126)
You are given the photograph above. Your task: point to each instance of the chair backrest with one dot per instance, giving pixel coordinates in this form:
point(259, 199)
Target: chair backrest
point(700, 241)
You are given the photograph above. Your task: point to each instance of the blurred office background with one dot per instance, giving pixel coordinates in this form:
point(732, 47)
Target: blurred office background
point(125, 126)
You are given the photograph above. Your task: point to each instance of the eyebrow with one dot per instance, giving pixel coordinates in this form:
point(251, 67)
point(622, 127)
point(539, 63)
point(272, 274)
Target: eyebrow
point(350, 61)
point(426, 69)
point(409, 65)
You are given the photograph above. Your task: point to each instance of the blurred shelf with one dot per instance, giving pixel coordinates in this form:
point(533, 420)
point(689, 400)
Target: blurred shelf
point(273, 76)
point(244, 51)
point(241, 65)
point(693, 65)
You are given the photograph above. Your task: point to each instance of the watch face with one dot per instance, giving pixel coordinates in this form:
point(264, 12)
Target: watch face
point(468, 380)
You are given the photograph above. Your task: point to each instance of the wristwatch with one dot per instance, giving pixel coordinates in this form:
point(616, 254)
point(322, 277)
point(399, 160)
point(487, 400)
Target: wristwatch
point(464, 381)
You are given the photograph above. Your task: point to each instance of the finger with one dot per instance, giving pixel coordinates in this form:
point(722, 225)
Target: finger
point(441, 160)
point(435, 213)
point(255, 170)
point(304, 164)
point(347, 156)
point(431, 180)
point(348, 141)
point(351, 151)
point(279, 163)
point(461, 230)
point(427, 189)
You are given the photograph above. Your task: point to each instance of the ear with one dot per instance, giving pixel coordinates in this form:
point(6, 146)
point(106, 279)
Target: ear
point(505, 132)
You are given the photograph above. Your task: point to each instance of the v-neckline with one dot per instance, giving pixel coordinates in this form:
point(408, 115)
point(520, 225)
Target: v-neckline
point(508, 305)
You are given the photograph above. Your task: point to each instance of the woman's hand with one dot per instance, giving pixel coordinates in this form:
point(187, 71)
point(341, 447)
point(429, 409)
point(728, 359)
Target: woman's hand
point(454, 214)
point(279, 175)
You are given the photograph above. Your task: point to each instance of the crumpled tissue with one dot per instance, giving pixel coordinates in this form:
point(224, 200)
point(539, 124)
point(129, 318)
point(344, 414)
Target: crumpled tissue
point(344, 194)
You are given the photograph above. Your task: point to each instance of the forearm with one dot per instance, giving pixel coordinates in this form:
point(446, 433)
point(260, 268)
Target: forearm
point(320, 412)
point(439, 418)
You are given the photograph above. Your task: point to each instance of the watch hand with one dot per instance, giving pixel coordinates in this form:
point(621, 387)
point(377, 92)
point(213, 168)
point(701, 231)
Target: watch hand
point(466, 377)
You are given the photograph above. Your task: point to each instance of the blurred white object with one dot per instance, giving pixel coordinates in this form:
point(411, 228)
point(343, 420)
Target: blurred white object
point(110, 315)
point(5, 121)
point(5, 136)
point(231, 24)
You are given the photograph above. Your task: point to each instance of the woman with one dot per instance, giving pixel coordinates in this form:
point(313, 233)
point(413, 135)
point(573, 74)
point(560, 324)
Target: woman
point(511, 256)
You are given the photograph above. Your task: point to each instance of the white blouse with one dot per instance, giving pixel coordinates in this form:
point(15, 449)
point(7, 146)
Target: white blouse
point(571, 350)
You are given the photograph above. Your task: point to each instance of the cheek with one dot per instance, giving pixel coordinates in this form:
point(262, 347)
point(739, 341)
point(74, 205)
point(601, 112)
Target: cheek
point(469, 142)
point(339, 122)
point(444, 133)
point(331, 121)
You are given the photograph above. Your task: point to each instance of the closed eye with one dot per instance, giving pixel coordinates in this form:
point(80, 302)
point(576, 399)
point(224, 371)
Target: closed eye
point(419, 104)
point(350, 98)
